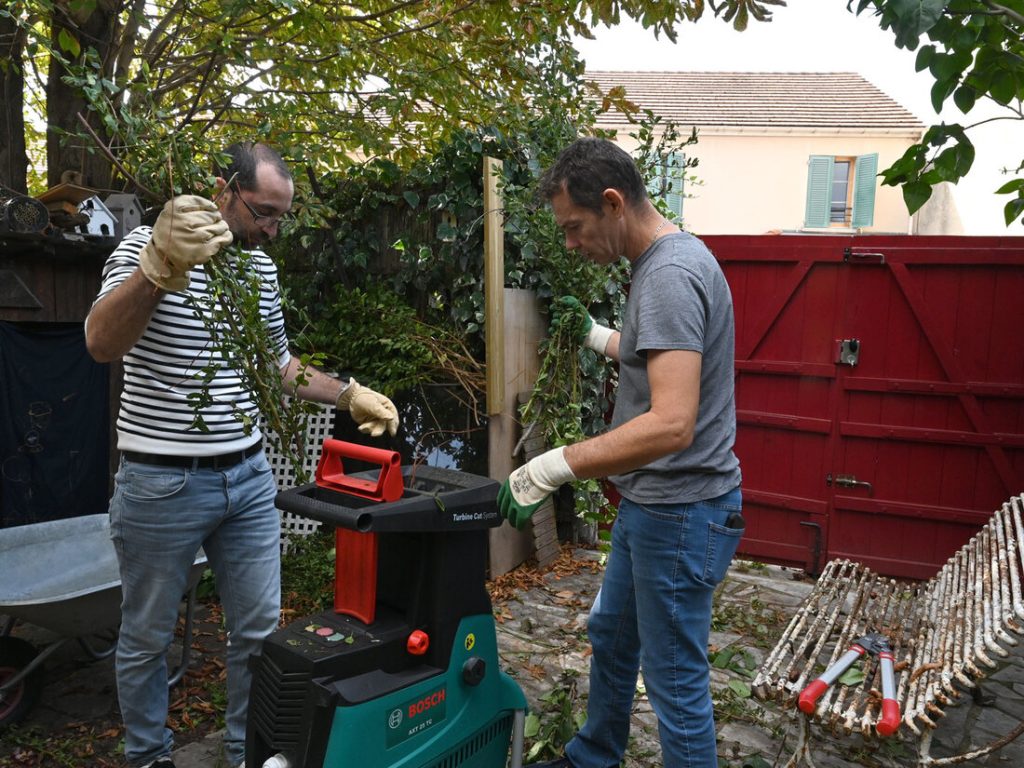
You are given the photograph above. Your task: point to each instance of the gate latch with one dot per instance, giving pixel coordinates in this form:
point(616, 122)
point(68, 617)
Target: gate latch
point(849, 352)
point(848, 481)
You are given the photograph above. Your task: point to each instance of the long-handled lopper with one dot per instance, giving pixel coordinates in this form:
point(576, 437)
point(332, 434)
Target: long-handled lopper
point(877, 645)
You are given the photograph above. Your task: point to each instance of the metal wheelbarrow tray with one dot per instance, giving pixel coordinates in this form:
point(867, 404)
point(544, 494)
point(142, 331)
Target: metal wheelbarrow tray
point(62, 575)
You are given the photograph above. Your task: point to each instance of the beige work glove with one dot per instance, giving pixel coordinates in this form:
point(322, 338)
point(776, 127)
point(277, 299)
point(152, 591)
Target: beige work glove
point(189, 231)
point(370, 410)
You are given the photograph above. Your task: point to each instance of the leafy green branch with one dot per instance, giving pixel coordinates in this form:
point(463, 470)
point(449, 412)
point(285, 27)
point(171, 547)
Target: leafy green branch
point(975, 52)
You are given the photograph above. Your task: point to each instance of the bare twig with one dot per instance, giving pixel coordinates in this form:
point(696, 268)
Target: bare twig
point(146, 191)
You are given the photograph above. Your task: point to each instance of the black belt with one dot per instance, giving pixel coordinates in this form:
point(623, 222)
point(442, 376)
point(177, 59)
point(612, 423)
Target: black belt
point(222, 461)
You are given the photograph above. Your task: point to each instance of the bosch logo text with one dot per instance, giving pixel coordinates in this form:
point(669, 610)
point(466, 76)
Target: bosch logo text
point(426, 703)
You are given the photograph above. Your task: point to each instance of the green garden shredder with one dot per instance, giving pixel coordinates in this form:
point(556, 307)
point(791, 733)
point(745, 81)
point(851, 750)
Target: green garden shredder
point(404, 672)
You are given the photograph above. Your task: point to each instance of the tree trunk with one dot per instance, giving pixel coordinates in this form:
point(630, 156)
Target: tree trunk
point(13, 159)
point(64, 103)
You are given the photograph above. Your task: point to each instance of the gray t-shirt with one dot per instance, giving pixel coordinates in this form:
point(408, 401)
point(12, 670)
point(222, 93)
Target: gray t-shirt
point(679, 299)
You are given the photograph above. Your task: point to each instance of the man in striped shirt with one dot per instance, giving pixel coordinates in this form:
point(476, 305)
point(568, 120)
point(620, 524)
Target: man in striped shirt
point(179, 488)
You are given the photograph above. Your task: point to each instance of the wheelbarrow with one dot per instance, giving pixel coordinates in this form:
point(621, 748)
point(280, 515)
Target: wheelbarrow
point(62, 576)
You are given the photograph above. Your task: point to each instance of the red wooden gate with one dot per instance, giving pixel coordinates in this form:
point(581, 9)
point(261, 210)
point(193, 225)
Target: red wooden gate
point(880, 393)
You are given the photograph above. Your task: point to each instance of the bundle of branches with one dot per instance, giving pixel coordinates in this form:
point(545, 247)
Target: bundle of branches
point(231, 315)
point(556, 405)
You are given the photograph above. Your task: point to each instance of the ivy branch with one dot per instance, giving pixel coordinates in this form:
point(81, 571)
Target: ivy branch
point(555, 406)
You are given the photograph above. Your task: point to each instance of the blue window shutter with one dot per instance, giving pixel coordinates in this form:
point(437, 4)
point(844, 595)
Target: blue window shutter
point(657, 171)
point(864, 183)
point(819, 188)
point(675, 172)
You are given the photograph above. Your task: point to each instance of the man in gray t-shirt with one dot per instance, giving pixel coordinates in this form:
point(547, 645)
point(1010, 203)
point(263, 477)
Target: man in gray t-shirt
point(668, 452)
point(679, 299)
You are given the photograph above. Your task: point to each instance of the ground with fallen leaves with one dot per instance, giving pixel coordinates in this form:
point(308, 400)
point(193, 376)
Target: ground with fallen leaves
point(77, 722)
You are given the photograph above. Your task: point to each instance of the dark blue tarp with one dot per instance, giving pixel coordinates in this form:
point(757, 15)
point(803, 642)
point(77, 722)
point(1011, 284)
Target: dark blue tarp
point(54, 425)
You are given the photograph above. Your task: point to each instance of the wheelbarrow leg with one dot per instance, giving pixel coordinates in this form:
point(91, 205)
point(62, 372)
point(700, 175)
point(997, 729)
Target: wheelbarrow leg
point(186, 641)
point(518, 731)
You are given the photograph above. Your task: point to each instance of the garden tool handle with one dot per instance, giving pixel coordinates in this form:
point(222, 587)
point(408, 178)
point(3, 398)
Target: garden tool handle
point(890, 720)
point(808, 700)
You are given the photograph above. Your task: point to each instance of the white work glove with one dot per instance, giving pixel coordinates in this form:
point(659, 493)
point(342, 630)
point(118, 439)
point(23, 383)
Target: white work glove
point(189, 231)
point(597, 336)
point(370, 410)
point(528, 487)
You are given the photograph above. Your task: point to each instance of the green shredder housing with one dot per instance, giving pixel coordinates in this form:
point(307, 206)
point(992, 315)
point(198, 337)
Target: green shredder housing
point(335, 691)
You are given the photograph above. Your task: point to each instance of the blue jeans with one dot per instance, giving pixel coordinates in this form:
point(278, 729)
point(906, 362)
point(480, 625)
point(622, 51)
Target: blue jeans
point(654, 611)
point(159, 518)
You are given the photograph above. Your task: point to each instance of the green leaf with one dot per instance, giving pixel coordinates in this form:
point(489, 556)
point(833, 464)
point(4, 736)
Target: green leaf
point(916, 194)
point(1013, 210)
point(1004, 87)
point(964, 97)
point(1016, 185)
point(941, 91)
point(924, 58)
point(917, 16)
point(723, 657)
point(446, 232)
point(412, 198)
point(532, 725)
point(852, 676)
point(740, 688)
point(69, 43)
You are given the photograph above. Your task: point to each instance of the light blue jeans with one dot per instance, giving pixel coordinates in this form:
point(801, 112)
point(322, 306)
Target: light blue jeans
point(159, 518)
point(654, 612)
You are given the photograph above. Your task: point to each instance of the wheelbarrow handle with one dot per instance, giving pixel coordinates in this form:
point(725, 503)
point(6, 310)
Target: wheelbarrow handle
point(890, 720)
point(808, 700)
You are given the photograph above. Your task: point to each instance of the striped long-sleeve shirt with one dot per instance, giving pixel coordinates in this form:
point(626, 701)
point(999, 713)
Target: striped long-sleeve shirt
point(160, 371)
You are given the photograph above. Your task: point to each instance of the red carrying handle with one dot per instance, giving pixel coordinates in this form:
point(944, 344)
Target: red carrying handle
point(330, 471)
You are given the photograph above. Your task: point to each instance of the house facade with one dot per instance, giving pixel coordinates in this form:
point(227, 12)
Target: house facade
point(780, 152)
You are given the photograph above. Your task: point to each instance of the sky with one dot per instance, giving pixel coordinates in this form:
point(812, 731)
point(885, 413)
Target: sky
point(822, 36)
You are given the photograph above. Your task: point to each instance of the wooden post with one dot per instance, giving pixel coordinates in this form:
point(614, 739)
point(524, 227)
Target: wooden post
point(512, 343)
point(494, 285)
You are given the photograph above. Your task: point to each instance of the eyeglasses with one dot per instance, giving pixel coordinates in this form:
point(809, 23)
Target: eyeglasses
point(259, 219)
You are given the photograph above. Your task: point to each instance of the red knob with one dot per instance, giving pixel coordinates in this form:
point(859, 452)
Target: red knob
point(418, 642)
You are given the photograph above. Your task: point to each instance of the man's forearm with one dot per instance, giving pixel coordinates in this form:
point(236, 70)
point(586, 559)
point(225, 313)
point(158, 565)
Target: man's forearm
point(318, 386)
point(118, 320)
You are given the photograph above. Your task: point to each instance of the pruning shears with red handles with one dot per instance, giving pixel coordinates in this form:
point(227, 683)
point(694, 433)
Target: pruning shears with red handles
point(877, 645)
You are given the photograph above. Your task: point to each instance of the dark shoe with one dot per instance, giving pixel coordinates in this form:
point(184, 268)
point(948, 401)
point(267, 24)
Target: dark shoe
point(160, 762)
point(562, 762)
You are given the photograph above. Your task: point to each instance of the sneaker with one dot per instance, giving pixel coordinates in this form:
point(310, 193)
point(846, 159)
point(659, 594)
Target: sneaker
point(562, 762)
point(160, 762)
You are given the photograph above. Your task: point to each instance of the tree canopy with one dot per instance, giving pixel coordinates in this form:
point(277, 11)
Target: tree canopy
point(113, 80)
point(108, 88)
point(974, 50)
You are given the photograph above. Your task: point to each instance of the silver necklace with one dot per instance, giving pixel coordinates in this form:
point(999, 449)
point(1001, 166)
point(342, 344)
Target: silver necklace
point(657, 232)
